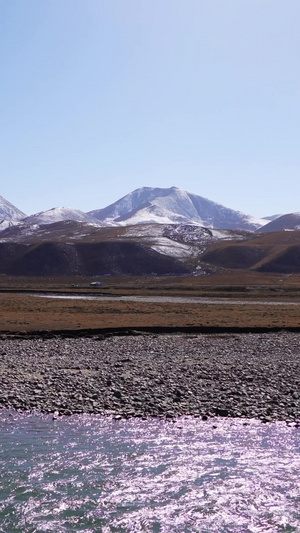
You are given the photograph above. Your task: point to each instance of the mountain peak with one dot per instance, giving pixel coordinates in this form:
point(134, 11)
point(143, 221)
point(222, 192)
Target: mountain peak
point(173, 205)
point(58, 214)
point(9, 212)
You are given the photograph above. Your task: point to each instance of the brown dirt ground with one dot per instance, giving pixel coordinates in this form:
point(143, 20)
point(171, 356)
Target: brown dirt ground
point(228, 279)
point(22, 312)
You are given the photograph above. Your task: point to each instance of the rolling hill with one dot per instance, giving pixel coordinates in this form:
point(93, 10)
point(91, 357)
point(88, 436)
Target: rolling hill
point(277, 252)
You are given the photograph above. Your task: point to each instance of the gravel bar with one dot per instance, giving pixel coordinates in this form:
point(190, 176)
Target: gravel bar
point(234, 375)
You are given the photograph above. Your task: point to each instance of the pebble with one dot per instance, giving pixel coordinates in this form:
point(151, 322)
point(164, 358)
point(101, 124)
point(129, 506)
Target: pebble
point(232, 375)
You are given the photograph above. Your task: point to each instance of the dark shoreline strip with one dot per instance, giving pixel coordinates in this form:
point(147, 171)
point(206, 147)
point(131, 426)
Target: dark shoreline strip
point(141, 330)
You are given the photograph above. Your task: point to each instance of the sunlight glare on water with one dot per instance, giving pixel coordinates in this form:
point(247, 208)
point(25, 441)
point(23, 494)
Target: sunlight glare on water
point(93, 473)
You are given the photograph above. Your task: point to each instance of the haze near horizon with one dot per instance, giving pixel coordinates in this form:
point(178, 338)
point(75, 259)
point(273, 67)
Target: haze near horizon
point(101, 98)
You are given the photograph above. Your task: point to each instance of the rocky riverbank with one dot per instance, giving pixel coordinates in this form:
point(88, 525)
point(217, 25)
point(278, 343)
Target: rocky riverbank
point(236, 375)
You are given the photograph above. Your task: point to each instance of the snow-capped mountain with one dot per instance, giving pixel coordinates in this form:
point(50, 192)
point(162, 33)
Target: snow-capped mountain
point(291, 221)
point(9, 212)
point(58, 214)
point(168, 206)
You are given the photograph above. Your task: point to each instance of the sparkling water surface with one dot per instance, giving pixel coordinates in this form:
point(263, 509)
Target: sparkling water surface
point(97, 474)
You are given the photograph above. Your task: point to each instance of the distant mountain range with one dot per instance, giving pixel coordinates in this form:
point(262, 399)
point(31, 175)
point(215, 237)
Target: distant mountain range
point(145, 209)
point(150, 231)
point(73, 248)
point(146, 205)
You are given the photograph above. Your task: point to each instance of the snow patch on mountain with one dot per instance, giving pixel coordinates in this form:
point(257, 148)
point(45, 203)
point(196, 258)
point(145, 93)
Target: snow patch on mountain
point(9, 212)
point(59, 214)
point(173, 249)
point(180, 240)
point(4, 224)
point(156, 236)
point(154, 215)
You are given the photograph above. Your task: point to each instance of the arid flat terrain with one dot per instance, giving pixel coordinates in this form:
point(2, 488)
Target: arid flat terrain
point(267, 301)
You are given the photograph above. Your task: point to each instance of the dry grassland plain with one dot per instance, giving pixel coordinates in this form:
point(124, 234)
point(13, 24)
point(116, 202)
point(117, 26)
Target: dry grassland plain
point(269, 301)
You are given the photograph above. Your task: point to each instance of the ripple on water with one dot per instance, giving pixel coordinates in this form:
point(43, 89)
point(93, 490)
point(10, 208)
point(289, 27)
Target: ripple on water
point(88, 473)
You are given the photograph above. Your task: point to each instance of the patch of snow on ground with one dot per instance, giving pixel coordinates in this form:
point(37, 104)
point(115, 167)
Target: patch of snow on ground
point(173, 249)
point(227, 235)
point(4, 224)
point(220, 234)
point(146, 216)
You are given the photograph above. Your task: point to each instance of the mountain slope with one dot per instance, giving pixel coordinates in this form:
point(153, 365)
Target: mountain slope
point(272, 217)
point(9, 212)
point(173, 205)
point(277, 252)
point(58, 214)
point(174, 240)
point(291, 221)
point(78, 248)
point(85, 259)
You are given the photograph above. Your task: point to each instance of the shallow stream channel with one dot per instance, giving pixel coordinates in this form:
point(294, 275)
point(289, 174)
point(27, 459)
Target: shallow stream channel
point(166, 299)
point(94, 473)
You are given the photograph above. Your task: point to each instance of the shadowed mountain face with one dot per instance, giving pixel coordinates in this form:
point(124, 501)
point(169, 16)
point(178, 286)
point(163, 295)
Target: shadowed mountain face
point(235, 256)
point(290, 221)
point(173, 205)
point(78, 248)
point(287, 262)
point(275, 252)
point(85, 259)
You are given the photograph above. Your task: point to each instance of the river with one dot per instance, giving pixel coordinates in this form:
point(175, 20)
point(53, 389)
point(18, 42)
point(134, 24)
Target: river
point(167, 299)
point(96, 474)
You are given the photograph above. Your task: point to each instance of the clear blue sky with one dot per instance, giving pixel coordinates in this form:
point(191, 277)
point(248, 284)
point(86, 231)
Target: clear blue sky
point(100, 97)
